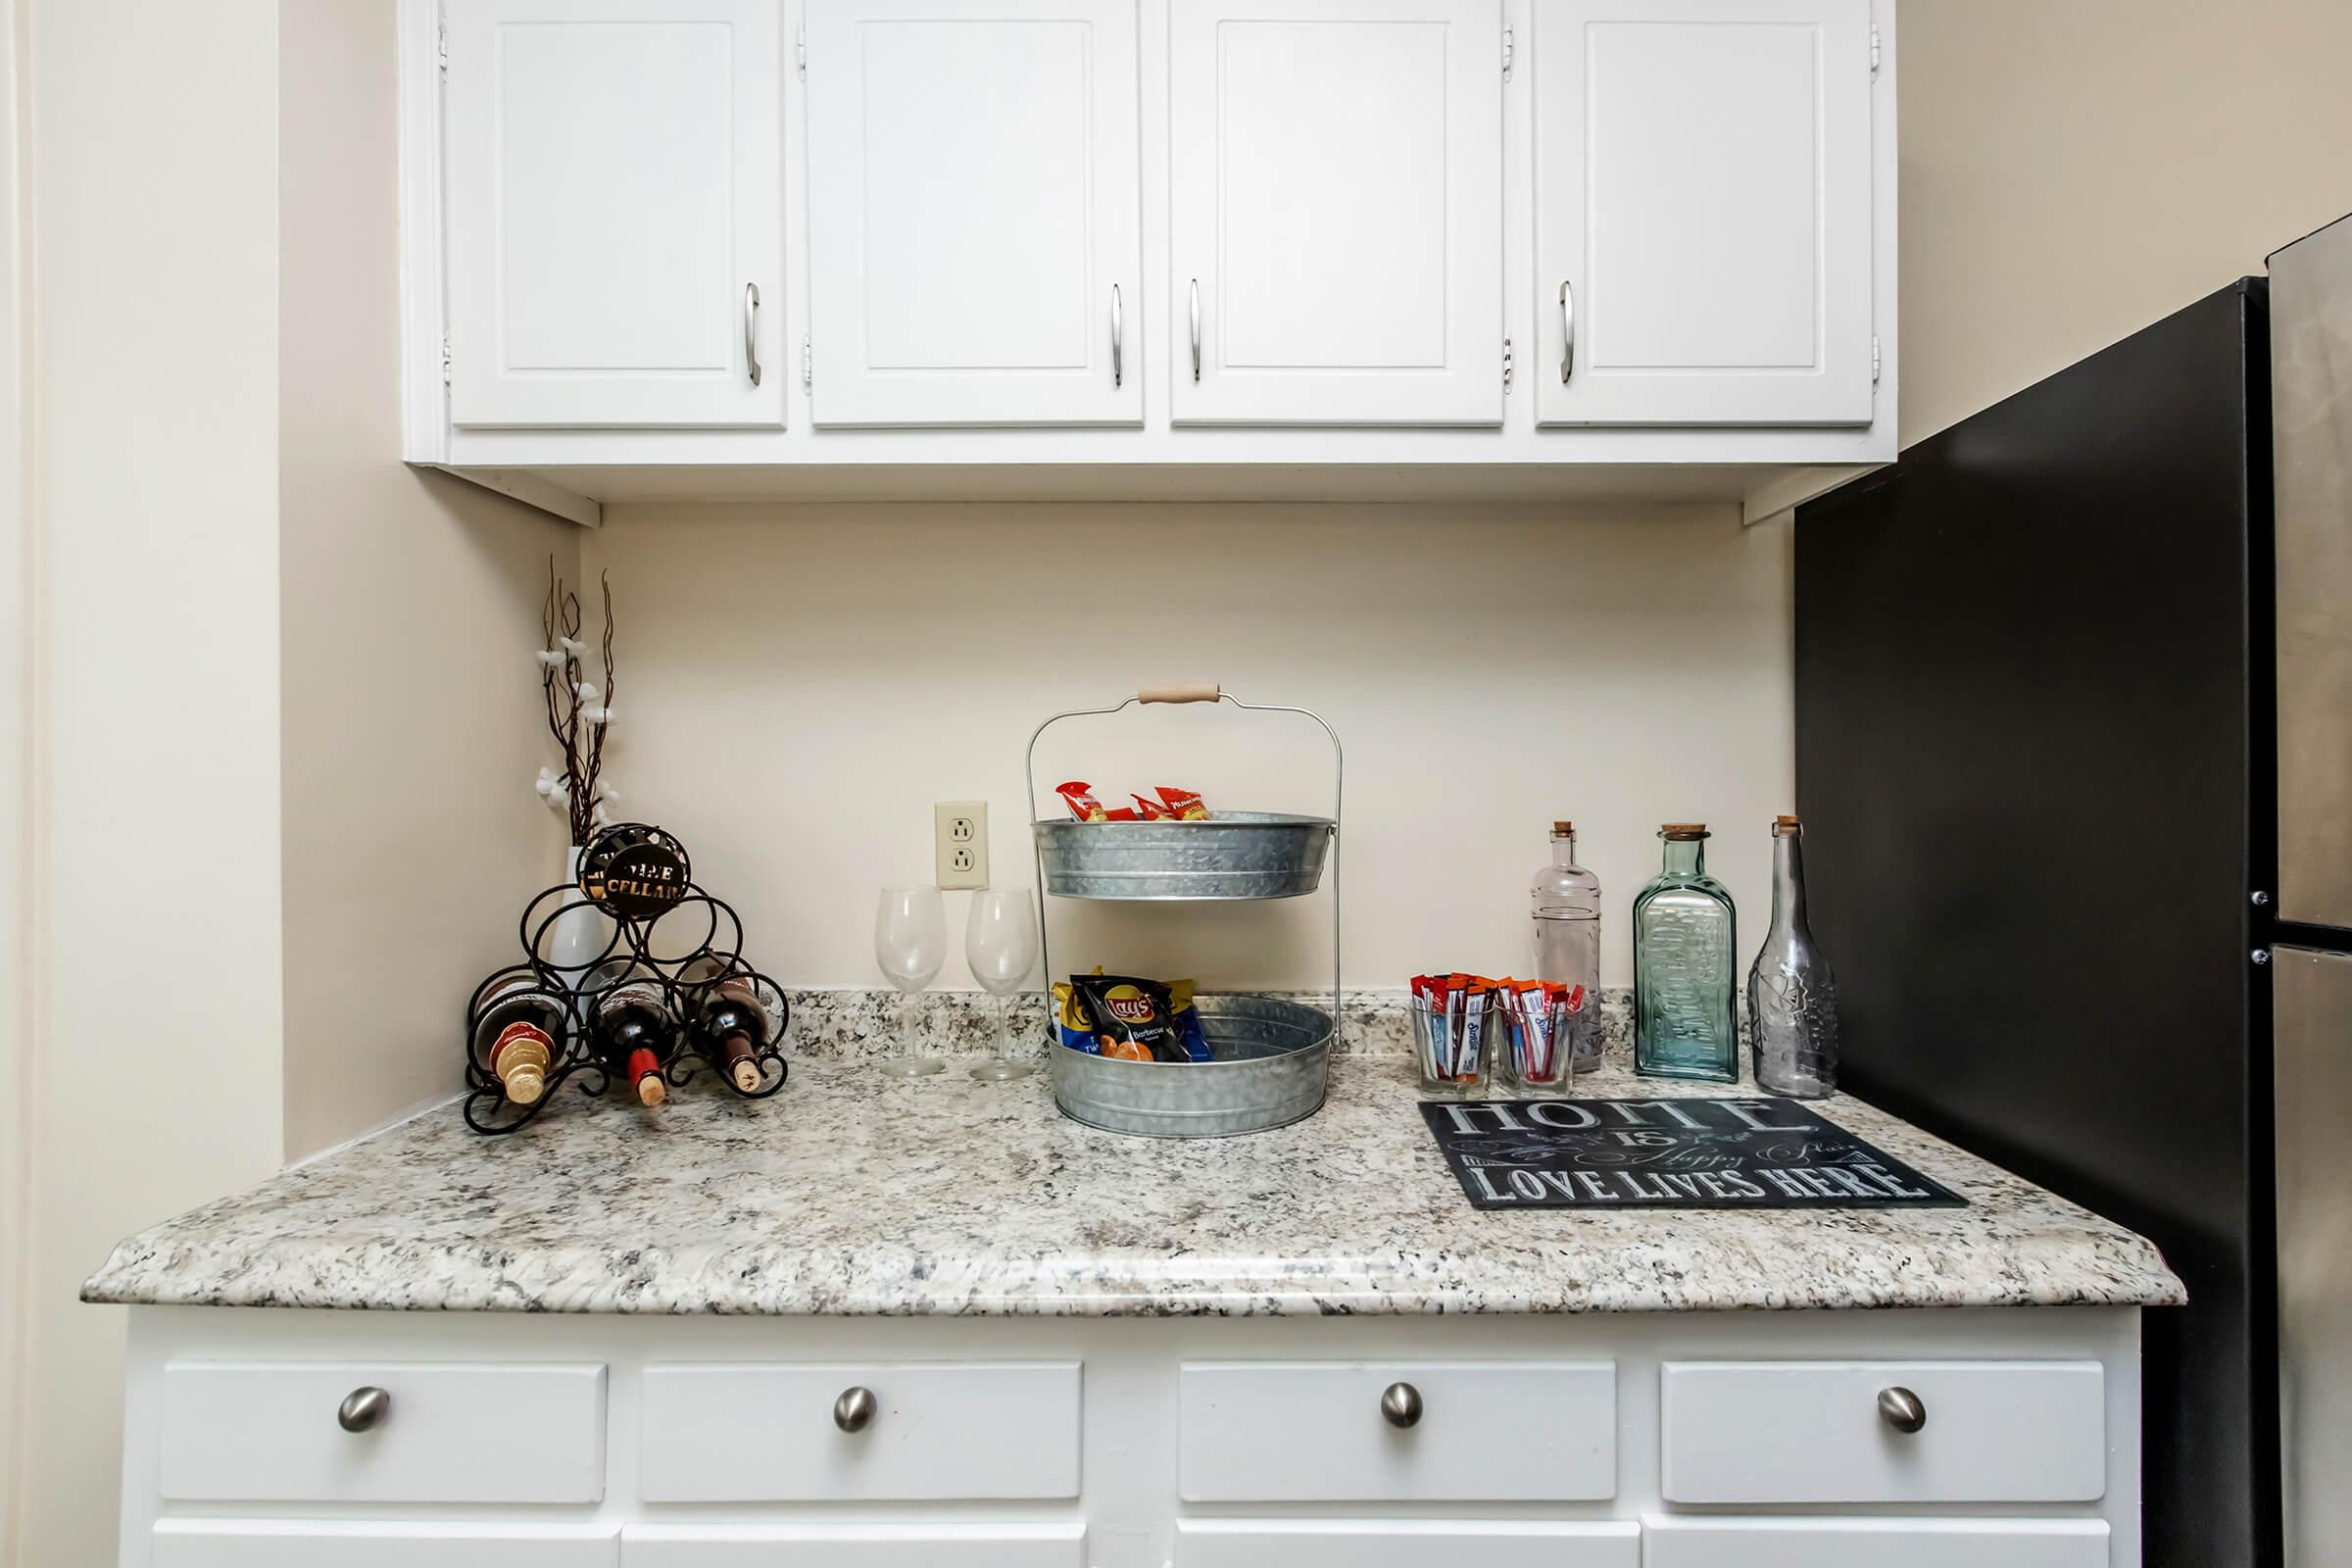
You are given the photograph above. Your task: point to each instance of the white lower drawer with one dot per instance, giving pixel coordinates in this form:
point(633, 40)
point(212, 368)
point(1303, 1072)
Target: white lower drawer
point(489, 1432)
point(1404, 1543)
point(379, 1544)
point(1314, 1432)
point(940, 1431)
point(1874, 1542)
point(1811, 1432)
point(945, 1545)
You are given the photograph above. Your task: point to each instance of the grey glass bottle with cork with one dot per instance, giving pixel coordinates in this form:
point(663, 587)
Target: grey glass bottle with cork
point(1791, 996)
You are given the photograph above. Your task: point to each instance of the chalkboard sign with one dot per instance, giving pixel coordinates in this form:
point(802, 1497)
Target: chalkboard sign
point(1667, 1154)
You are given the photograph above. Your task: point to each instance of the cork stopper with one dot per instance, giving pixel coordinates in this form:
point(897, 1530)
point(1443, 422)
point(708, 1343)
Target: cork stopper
point(520, 1061)
point(1786, 827)
point(1563, 830)
point(747, 1077)
point(651, 1091)
point(1682, 832)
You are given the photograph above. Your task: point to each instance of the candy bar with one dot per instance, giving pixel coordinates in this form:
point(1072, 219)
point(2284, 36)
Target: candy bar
point(1082, 802)
point(1183, 803)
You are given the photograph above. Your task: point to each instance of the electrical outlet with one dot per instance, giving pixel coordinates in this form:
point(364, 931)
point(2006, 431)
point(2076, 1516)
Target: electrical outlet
point(961, 838)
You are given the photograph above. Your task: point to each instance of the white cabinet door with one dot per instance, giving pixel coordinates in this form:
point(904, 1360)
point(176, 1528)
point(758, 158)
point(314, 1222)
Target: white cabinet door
point(1336, 211)
point(1404, 1543)
point(940, 1431)
point(1313, 1432)
point(616, 213)
point(1726, 1543)
point(1703, 211)
point(973, 213)
point(916, 1543)
point(379, 1544)
point(452, 1432)
point(1995, 1431)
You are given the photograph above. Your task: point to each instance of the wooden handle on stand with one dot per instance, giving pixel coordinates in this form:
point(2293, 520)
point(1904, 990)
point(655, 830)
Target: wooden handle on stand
point(1179, 694)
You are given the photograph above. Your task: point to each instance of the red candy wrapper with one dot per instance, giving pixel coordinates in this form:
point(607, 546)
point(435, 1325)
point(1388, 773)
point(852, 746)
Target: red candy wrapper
point(1082, 802)
point(1183, 803)
point(1149, 811)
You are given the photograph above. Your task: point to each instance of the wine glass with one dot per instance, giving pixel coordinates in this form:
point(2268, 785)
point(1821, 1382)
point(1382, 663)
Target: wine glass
point(1000, 940)
point(910, 944)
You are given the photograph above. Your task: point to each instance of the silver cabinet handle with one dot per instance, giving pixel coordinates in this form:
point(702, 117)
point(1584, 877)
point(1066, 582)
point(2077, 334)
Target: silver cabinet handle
point(854, 1411)
point(1903, 1410)
point(1400, 1405)
point(1567, 331)
point(1118, 336)
point(1196, 330)
point(750, 330)
point(364, 1409)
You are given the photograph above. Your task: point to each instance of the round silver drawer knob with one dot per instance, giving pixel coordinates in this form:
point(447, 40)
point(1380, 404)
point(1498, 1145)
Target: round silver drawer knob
point(1903, 1410)
point(854, 1411)
point(1400, 1405)
point(364, 1409)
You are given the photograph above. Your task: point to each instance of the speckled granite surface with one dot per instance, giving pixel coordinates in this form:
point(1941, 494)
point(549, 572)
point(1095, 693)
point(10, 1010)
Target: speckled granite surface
point(852, 1194)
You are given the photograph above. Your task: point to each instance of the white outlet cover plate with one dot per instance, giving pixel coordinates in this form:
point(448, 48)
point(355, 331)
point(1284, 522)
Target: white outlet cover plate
point(960, 842)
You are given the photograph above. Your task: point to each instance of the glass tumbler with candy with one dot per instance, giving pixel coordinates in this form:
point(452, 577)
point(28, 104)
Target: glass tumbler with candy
point(1542, 1023)
point(1454, 1021)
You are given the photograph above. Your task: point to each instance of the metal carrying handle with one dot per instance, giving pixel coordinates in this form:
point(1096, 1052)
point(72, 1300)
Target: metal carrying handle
point(1211, 693)
point(751, 330)
point(1196, 330)
point(1118, 334)
point(1567, 330)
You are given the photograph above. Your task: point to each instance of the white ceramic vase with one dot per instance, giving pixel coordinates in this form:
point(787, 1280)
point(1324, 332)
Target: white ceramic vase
point(580, 934)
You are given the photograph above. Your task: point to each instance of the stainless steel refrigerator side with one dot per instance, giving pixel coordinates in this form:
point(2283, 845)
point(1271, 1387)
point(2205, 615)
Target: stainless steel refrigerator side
point(2312, 1009)
point(2311, 380)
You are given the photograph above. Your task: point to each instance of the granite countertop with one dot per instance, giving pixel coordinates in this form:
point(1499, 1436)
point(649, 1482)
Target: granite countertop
point(851, 1194)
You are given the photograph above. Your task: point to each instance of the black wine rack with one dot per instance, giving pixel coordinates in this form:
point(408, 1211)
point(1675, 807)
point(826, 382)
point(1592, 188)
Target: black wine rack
point(694, 944)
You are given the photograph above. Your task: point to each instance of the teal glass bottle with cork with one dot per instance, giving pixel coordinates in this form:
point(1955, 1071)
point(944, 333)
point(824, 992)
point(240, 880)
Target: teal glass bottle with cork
point(1686, 1022)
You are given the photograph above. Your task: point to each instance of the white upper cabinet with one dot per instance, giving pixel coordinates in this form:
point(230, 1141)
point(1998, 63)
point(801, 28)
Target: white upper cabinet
point(973, 213)
point(1336, 211)
point(1703, 251)
point(616, 213)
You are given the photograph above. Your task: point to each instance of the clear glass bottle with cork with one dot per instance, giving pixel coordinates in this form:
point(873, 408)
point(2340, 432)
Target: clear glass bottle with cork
point(1565, 903)
point(1685, 936)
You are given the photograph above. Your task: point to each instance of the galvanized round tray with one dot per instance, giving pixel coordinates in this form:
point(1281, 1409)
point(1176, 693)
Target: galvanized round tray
point(1271, 1061)
point(1235, 854)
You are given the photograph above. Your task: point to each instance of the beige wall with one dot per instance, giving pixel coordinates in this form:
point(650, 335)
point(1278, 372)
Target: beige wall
point(153, 1075)
point(15, 772)
point(412, 726)
point(799, 685)
point(2075, 169)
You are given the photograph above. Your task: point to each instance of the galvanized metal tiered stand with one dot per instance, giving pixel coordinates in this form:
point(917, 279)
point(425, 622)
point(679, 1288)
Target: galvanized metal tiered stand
point(1270, 1057)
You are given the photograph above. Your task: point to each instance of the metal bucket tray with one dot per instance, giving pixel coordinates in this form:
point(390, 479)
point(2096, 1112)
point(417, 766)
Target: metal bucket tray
point(1234, 854)
point(1271, 1060)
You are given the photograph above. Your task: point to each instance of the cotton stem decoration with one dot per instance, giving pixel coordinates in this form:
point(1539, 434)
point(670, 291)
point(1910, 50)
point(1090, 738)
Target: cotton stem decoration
point(579, 711)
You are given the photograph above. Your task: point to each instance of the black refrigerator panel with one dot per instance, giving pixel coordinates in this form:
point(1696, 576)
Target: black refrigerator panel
point(2031, 751)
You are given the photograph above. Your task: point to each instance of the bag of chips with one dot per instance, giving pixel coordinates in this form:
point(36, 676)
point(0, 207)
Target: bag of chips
point(1132, 1019)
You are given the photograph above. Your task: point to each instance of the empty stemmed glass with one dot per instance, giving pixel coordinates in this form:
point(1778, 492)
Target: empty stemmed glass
point(1001, 942)
point(910, 944)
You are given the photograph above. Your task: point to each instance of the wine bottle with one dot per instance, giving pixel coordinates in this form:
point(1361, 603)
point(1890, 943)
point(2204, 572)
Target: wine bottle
point(518, 1036)
point(634, 1030)
point(732, 1024)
